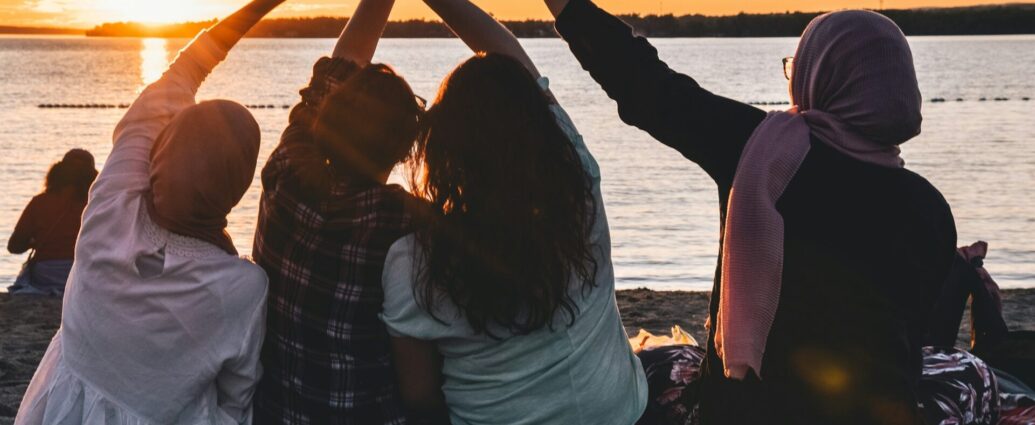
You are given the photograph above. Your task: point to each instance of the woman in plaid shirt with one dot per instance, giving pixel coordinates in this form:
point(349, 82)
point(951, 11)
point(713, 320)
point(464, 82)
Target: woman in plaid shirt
point(326, 221)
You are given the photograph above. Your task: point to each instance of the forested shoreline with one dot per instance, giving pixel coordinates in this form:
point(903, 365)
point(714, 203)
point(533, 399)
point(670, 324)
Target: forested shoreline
point(978, 20)
point(4, 29)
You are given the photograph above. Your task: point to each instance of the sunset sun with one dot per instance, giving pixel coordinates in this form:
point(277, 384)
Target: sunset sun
point(160, 12)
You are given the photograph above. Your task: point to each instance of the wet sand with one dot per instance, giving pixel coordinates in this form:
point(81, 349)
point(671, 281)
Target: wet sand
point(27, 325)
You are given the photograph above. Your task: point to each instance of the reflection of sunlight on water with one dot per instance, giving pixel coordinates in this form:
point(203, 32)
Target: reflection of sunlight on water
point(154, 59)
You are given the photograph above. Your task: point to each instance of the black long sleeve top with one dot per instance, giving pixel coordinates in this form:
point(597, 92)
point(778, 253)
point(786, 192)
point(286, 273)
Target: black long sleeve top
point(866, 248)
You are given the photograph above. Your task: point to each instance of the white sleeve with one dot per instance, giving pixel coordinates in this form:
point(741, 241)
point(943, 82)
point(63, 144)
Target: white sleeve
point(128, 166)
point(600, 234)
point(239, 378)
point(402, 315)
point(589, 163)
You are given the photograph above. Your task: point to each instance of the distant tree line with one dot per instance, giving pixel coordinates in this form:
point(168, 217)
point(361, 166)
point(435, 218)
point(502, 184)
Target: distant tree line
point(39, 31)
point(1000, 19)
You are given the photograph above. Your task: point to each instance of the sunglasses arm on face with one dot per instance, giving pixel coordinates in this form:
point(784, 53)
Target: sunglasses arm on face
point(788, 67)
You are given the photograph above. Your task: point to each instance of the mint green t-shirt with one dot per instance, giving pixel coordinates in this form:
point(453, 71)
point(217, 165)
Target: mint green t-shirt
point(585, 373)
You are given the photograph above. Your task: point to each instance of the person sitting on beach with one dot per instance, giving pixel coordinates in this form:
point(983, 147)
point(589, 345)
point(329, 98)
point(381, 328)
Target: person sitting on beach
point(162, 321)
point(50, 224)
point(832, 253)
point(502, 309)
point(326, 220)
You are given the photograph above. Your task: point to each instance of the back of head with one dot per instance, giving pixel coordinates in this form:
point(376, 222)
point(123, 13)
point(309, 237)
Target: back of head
point(514, 202)
point(367, 126)
point(201, 165)
point(857, 65)
point(82, 156)
point(74, 172)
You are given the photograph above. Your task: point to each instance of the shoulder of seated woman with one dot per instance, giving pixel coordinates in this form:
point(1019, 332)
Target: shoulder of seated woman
point(249, 282)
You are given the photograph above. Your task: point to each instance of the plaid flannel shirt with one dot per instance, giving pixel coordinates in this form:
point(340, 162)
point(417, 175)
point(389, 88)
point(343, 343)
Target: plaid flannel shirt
point(326, 356)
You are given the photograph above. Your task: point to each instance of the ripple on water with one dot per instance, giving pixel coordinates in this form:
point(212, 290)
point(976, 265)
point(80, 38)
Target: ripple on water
point(663, 210)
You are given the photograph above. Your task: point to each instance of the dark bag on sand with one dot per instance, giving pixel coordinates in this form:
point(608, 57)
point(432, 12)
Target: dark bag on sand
point(968, 280)
point(1014, 354)
point(1011, 352)
point(24, 278)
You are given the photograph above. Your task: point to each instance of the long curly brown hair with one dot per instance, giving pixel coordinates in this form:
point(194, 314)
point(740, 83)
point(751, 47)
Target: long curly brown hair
point(73, 175)
point(513, 205)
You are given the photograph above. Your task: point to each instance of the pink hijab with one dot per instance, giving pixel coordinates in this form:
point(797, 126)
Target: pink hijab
point(201, 165)
point(856, 91)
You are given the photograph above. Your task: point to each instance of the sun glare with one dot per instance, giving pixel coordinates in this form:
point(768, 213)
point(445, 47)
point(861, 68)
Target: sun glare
point(154, 58)
point(159, 12)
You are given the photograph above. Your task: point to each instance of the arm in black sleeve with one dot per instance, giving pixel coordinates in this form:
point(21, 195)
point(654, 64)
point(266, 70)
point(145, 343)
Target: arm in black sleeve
point(708, 129)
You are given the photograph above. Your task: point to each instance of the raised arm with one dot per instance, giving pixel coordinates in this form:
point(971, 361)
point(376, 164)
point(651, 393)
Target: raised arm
point(230, 30)
point(556, 6)
point(358, 41)
point(161, 100)
point(297, 158)
point(707, 129)
point(481, 32)
point(128, 165)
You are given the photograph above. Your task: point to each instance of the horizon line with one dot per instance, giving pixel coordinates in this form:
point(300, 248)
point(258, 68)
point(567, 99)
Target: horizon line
point(216, 19)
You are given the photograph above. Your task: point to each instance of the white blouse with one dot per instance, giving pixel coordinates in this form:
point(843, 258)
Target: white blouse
point(157, 328)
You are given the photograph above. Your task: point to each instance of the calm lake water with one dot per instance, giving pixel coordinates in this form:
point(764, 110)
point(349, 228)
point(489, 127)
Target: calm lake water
point(663, 209)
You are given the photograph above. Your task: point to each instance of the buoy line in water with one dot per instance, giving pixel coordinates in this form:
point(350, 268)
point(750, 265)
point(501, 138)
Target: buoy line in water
point(270, 106)
point(126, 106)
point(932, 100)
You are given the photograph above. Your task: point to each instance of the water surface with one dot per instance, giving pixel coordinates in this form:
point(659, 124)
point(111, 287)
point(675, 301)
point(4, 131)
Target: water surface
point(663, 209)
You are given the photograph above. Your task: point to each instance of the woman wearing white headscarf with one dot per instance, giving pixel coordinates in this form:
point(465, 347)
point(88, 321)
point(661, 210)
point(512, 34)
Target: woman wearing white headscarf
point(832, 253)
point(162, 321)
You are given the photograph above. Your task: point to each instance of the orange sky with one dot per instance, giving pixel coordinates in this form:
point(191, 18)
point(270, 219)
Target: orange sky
point(85, 13)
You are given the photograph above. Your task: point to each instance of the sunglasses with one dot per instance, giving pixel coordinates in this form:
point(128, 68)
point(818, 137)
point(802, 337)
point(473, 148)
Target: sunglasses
point(788, 67)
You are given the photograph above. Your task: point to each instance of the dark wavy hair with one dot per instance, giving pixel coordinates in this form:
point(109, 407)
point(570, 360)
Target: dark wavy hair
point(74, 175)
point(513, 205)
point(363, 128)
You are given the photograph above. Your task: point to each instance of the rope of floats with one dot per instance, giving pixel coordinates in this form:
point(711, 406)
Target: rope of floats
point(932, 100)
point(126, 106)
point(270, 106)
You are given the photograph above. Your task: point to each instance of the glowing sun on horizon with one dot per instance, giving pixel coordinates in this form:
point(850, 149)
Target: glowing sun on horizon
point(159, 11)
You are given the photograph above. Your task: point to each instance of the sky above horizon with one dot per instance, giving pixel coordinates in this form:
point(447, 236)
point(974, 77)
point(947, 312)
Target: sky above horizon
point(87, 13)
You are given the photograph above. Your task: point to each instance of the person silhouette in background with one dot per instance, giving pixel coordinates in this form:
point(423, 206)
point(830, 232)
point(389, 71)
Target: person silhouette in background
point(832, 253)
point(50, 224)
point(162, 320)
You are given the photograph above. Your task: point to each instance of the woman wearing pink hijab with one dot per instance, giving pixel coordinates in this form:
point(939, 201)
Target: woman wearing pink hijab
point(162, 321)
point(832, 253)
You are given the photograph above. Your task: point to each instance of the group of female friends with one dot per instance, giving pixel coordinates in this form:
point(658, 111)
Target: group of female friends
point(487, 294)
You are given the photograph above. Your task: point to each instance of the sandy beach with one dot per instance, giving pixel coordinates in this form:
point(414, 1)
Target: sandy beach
point(27, 325)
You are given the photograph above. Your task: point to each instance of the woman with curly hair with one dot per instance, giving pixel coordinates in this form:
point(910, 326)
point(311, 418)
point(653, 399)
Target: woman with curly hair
point(50, 224)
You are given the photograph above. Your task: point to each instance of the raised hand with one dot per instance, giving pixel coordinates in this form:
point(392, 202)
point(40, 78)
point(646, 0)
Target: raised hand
point(556, 6)
point(230, 30)
point(358, 41)
point(480, 31)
